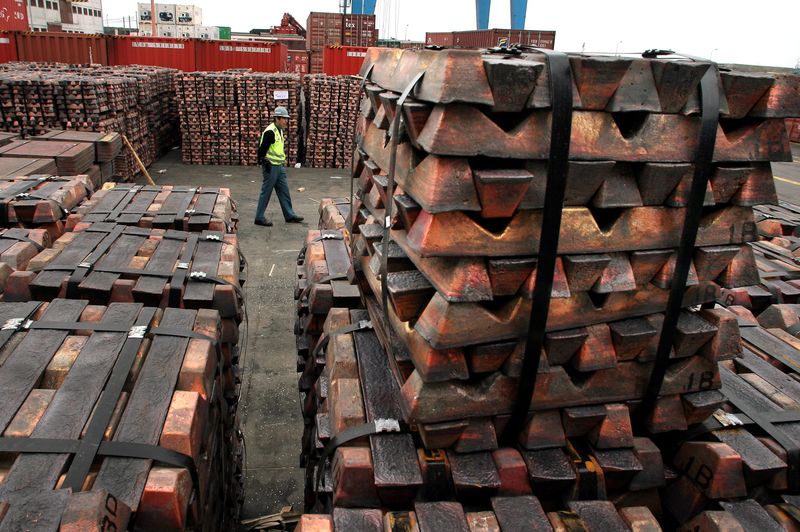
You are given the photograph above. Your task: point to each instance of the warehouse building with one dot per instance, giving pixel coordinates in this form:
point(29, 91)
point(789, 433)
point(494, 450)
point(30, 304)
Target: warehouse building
point(78, 16)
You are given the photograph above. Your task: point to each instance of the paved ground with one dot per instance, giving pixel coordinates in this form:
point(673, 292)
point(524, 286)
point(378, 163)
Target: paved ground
point(272, 422)
point(271, 411)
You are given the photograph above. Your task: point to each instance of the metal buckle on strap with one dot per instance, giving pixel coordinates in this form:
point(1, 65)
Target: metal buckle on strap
point(85, 264)
point(197, 275)
point(138, 331)
point(364, 324)
point(726, 419)
point(214, 238)
point(183, 266)
point(386, 425)
point(330, 236)
point(17, 324)
point(22, 195)
point(190, 211)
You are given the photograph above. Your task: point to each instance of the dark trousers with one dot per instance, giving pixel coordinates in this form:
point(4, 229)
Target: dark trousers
point(274, 176)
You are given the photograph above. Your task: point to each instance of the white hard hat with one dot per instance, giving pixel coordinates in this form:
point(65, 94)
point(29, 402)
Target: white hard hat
point(281, 111)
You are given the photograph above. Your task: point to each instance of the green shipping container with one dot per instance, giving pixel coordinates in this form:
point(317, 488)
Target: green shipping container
point(225, 33)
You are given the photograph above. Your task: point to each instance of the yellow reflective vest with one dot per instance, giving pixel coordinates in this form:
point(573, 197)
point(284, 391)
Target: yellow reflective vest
point(275, 153)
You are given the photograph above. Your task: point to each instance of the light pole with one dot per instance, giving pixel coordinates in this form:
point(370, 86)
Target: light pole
point(616, 50)
point(711, 57)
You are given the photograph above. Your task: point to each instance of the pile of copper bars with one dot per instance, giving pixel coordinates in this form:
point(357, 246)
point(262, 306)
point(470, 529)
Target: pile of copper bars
point(135, 101)
point(120, 357)
point(406, 403)
point(331, 109)
point(222, 114)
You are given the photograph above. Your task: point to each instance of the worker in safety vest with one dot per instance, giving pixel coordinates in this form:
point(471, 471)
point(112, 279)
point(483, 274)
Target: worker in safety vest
point(272, 158)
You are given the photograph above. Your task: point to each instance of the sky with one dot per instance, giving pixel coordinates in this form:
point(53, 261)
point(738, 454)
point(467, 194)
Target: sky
point(759, 33)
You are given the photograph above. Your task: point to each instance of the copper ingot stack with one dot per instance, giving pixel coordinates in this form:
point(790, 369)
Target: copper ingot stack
point(222, 114)
point(776, 254)
point(471, 163)
point(137, 101)
point(42, 201)
point(332, 111)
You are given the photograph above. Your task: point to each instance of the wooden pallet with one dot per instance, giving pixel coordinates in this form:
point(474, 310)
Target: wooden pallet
point(57, 369)
point(175, 207)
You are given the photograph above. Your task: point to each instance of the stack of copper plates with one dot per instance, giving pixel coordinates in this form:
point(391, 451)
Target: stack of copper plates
point(445, 357)
point(331, 108)
point(92, 376)
point(167, 206)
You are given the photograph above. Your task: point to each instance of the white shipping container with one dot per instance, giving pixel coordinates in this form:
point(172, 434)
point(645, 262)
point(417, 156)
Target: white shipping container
point(143, 10)
point(186, 32)
point(208, 32)
point(188, 15)
point(166, 14)
point(145, 27)
point(167, 30)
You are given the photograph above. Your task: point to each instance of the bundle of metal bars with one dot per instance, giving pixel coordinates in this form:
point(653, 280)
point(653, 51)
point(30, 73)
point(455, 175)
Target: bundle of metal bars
point(97, 403)
point(449, 292)
point(167, 206)
point(136, 101)
point(331, 110)
point(222, 114)
point(42, 201)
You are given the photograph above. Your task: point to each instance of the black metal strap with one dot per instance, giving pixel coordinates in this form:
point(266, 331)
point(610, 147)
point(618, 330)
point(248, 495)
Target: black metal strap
point(377, 426)
point(794, 330)
point(83, 268)
point(367, 75)
point(181, 270)
point(114, 449)
point(320, 238)
point(12, 326)
point(394, 133)
point(557, 167)
point(354, 327)
point(709, 95)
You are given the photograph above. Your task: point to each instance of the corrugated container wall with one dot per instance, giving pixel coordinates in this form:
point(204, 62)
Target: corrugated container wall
point(222, 55)
point(502, 37)
point(8, 47)
point(155, 51)
point(359, 30)
point(62, 48)
point(13, 15)
point(298, 61)
point(315, 62)
point(439, 38)
point(323, 29)
point(343, 60)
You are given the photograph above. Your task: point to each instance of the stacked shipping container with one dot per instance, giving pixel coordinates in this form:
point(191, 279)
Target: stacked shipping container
point(327, 29)
point(491, 38)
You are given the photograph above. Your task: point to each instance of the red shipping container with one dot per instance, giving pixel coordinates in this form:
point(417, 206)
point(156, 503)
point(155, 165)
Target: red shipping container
point(439, 38)
point(343, 60)
point(154, 51)
point(261, 56)
point(359, 30)
point(14, 15)
point(75, 48)
point(8, 47)
point(297, 61)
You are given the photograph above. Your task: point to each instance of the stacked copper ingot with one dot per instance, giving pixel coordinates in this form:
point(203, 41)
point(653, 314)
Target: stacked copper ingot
point(332, 109)
point(42, 201)
point(445, 356)
point(333, 213)
point(526, 513)
point(108, 147)
point(793, 126)
point(224, 113)
point(72, 158)
point(91, 376)
point(138, 102)
point(776, 254)
point(167, 206)
point(17, 247)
